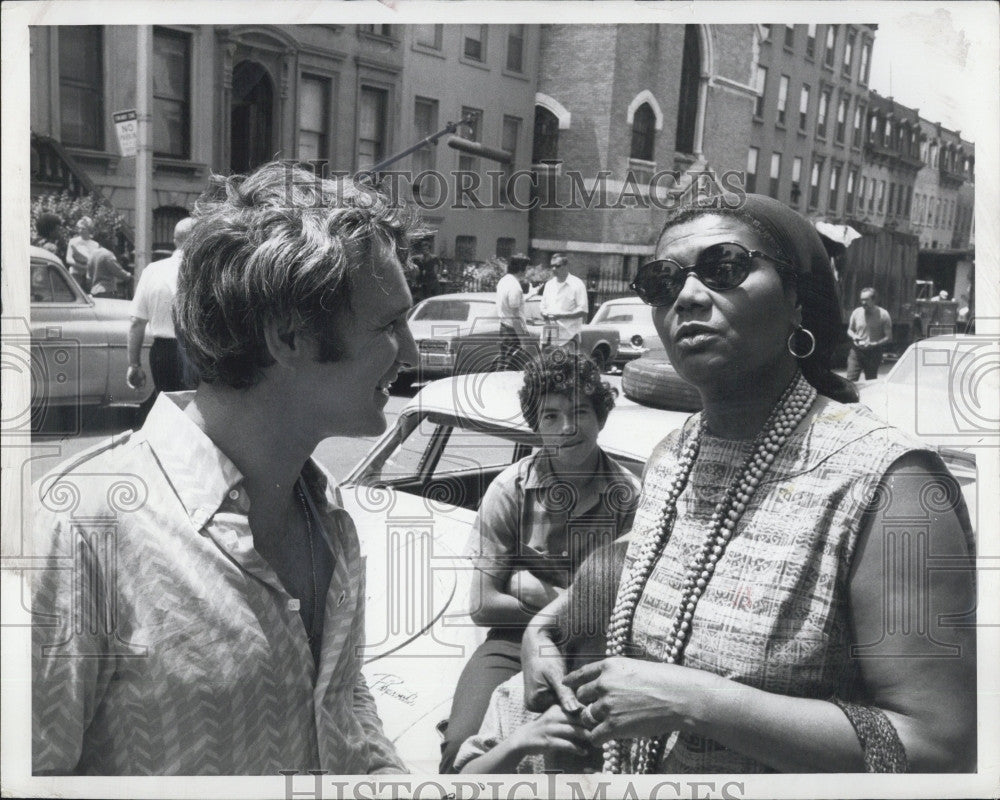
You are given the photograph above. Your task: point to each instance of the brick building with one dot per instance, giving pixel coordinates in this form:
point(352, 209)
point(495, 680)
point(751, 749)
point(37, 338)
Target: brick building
point(621, 109)
point(812, 99)
point(488, 73)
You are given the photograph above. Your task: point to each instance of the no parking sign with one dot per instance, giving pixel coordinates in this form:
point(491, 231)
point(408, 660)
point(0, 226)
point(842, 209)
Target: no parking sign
point(127, 128)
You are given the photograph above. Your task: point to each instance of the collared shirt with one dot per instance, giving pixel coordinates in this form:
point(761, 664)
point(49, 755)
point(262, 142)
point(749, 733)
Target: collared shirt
point(563, 298)
point(531, 519)
point(104, 271)
point(166, 645)
point(78, 253)
point(154, 296)
point(510, 302)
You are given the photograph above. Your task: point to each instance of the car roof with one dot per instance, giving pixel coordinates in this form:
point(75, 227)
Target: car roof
point(44, 255)
point(491, 398)
point(491, 296)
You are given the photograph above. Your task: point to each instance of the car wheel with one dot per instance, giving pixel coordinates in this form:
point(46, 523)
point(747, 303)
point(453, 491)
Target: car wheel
point(654, 382)
point(601, 357)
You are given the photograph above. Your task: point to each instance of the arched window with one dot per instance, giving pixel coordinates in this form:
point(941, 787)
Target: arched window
point(545, 145)
point(687, 109)
point(643, 132)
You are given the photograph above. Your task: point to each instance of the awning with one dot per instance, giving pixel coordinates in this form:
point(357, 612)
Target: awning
point(841, 234)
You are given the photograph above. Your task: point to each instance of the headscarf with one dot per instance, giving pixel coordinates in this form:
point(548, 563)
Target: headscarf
point(816, 287)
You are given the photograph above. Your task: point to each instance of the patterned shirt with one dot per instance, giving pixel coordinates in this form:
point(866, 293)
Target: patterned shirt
point(164, 644)
point(775, 614)
point(530, 519)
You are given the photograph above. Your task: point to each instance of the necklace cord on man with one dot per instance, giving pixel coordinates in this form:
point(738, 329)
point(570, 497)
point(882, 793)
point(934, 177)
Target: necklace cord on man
point(640, 756)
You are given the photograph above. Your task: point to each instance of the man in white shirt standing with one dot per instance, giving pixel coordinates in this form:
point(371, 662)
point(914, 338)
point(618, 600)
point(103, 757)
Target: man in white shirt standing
point(510, 310)
point(153, 305)
point(564, 302)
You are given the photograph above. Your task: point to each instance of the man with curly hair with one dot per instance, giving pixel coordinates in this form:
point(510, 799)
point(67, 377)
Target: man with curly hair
point(201, 608)
point(538, 521)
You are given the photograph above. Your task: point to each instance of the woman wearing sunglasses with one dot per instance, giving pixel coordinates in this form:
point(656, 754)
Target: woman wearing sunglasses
point(777, 605)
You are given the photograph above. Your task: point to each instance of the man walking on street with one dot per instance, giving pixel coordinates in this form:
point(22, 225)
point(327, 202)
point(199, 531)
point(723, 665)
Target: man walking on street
point(510, 310)
point(564, 302)
point(153, 306)
point(870, 330)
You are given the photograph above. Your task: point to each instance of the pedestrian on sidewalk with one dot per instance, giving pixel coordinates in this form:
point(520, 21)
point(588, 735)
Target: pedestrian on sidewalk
point(870, 329)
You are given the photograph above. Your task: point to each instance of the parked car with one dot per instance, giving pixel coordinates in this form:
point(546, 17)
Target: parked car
point(633, 320)
point(79, 343)
point(946, 391)
point(413, 499)
point(459, 333)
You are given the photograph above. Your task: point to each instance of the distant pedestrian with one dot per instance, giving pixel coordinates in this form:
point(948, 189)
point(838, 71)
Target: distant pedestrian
point(153, 306)
point(510, 310)
point(104, 272)
point(79, 250)
point(428, 264)
point(870, 330)
point(564, 303)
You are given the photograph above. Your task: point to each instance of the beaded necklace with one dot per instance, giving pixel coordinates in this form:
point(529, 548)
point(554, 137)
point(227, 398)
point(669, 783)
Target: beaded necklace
point(640, 756)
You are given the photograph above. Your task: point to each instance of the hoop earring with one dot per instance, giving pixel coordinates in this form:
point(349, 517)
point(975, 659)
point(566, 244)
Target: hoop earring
point(791, 342)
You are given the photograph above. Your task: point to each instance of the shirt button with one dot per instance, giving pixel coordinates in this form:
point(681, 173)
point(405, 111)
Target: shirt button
point(565, 552)
point(294, 604)
point(234, 494)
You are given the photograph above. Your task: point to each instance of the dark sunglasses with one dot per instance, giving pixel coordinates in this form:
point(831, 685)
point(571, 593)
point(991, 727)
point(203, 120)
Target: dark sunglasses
point(720, 267)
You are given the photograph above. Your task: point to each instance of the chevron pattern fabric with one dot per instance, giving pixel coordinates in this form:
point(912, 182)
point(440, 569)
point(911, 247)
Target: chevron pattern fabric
point(164, 644)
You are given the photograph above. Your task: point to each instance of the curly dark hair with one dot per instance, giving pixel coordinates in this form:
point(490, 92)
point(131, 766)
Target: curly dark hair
point(560, 372)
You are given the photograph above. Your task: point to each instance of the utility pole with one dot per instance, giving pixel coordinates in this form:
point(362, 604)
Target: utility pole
point(144, 149)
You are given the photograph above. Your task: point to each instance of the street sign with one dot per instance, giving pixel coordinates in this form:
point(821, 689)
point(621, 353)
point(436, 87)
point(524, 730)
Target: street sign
point(127, 128)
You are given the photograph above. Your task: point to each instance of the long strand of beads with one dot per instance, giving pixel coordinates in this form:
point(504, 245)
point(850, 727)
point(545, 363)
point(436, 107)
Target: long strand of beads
point(641, 756)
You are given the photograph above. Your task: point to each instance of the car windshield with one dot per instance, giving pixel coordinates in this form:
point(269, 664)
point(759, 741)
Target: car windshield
point(638, 312)
point(454, 310)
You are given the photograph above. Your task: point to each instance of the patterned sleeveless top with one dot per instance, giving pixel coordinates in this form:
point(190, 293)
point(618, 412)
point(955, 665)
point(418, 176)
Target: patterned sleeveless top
point(775, 613)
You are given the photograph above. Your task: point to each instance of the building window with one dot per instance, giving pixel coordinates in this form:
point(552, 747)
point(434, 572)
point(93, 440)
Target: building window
point(81, 86)
point(834, 187)
point(545, 139)
point(314, 117)
point(466, 162)
point(505, 246)
point(796, 179)
point(508, 141)
point(775, 175)
point(909, 199)
point(165, 218)
point(378, 30)
point(751, 179)
point(892, 198)
point(425, 122)
point(821, 112)
point(814, 183)
point(790, 36)
point(849, 199)
point(859, 115)
point(866, 61)
point(862, 187)
point(803, 106)
point(474, 42)
point(841, 119)
point(831, 45)
point(881, 196)
point(887, 134)
point(428, 36)
point(871, 194)
point(810, 41)
point(758, 109)
point(171, 93)
point(766, 35)
point(371, 126)
point(782, 98)
point(515, 48)
point(643, 133)
point(848, 52)
point(465, 248)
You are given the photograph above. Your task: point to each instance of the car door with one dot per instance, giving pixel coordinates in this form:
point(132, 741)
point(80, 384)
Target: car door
point(69, 347)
